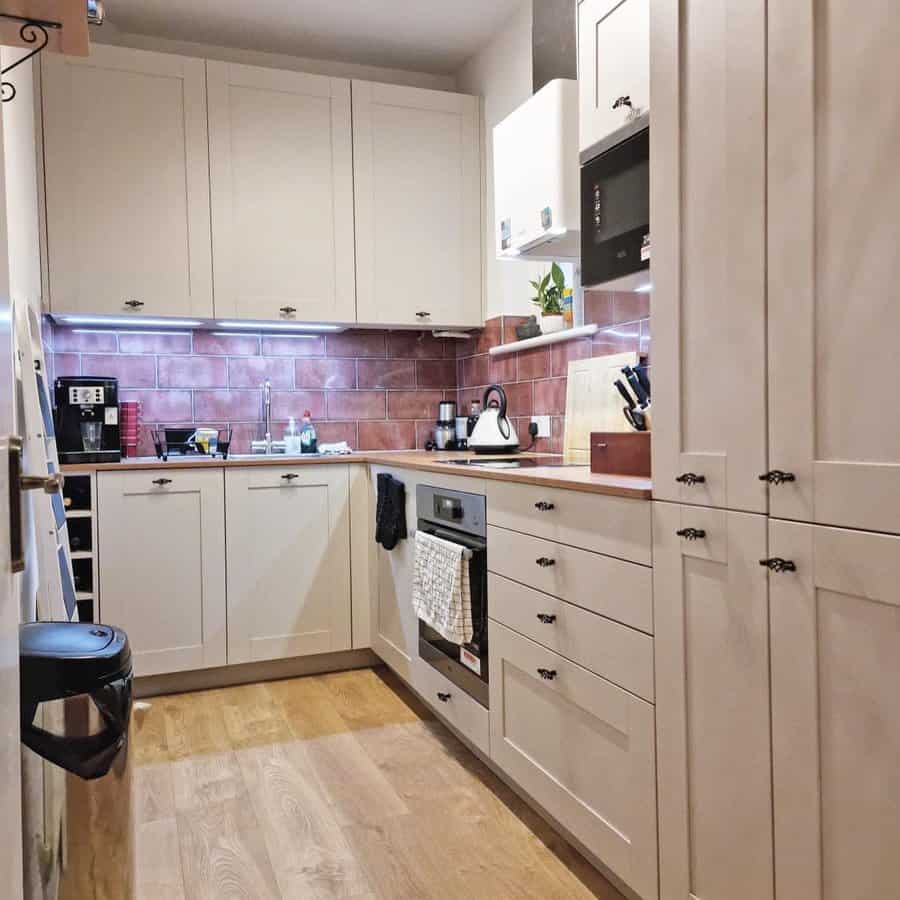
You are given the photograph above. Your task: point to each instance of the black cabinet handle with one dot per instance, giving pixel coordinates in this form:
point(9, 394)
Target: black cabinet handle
point(444, 698)
point(422, 314)
point(546, 618)
point(547, 674)
point(777, 564)
point(288, 310)
point(691, 534)
point(163, 481)
point(544, 562)
point(544, 506)
point(134, 304)
point(691, 478)
point(776, 476)
point(623, 101)
point(290, 476)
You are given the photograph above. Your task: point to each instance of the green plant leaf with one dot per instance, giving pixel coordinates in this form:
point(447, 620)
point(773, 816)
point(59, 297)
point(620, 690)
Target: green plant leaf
point(545, 281)
point(559, 277)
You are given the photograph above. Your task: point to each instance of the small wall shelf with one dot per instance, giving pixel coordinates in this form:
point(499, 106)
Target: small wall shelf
point(542, 340)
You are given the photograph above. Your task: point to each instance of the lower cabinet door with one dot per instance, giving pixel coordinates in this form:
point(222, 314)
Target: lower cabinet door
point(288, 561)
point(162, 565)
point(582, 748)
point(835, 712)
point(712, 704)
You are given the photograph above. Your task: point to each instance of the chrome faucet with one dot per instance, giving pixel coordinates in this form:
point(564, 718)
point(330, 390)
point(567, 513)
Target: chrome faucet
point(267, 412)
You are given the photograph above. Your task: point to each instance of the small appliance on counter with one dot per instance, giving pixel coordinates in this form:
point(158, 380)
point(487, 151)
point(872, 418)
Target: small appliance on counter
point(180, 441)
point(445, 427)
point(493, 432)
point(87, 419)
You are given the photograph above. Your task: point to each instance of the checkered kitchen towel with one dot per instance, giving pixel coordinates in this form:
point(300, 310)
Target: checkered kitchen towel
point(441, 593)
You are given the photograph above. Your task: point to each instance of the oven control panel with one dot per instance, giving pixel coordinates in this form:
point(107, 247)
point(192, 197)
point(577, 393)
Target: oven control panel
point(453, 509)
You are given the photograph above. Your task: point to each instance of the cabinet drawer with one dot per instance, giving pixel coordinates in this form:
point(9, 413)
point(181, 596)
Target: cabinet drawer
point(614, 525)
point(619, 590)
point(301, 474)
point(582, 748)
point(466, 715)
point(618, 653)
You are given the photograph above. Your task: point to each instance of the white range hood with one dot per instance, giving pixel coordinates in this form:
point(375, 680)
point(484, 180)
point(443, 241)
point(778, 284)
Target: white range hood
point(537, 205)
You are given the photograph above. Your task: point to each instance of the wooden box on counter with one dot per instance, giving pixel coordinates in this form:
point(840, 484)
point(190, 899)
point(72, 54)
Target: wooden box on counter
point(620, 453)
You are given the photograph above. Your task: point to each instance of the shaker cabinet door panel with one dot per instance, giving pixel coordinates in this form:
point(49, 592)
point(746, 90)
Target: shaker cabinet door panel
point(834, 319)
point(288, 561)
point(835, 718)
point(417, 168)
point(708, 223)
point(161, 561)
point(127, 183)
point(281, 174)
point(712, 705)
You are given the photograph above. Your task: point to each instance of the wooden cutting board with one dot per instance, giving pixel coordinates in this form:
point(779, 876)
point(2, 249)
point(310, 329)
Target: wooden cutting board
point(593, 403)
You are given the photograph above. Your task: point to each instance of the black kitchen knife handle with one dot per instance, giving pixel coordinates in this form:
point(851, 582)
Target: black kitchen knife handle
point(643, 378)
point(626, 396)
point(635, 385)
point(635, 418)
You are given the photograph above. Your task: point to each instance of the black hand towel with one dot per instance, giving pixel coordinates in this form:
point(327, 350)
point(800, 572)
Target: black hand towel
point(390, 515)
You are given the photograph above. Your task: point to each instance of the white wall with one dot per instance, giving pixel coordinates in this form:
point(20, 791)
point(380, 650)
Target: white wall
point(501, 73)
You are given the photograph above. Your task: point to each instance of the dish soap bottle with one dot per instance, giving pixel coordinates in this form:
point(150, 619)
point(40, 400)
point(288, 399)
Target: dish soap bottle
point(292, 442)
point(308, 442)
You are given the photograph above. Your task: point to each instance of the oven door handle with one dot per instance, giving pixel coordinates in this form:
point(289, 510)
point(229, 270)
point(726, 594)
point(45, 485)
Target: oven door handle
point(473, 544)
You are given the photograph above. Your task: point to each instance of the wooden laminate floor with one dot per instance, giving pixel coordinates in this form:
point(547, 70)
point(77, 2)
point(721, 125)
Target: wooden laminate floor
point(327, 787)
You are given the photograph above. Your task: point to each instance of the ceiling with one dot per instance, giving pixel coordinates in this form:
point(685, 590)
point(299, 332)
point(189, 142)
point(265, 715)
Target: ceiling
point(435, 36)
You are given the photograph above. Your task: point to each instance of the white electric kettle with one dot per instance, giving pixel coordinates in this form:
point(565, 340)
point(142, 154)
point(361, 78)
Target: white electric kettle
point(493, 432)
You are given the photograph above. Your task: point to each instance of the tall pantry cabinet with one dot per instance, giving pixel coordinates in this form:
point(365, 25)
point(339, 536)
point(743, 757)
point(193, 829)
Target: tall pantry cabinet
point(776, 449)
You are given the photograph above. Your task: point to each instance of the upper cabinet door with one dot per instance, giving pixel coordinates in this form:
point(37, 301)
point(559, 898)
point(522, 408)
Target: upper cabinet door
point(281, 175)
point(127, 175)
point(834, 319)
point(835, 715)
point(707, 212)
point(613, 65)
point(418, 206)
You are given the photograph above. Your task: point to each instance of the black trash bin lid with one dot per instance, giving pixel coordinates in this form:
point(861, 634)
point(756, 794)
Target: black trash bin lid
point(64, 659)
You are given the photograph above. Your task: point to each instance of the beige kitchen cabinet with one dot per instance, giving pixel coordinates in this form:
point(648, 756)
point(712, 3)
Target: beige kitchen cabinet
point(582, 748)
point(613, 66)
point(417, 170)
point(395, 627)
point(127, 183)
point(288, 561)
point(161, 565)
point(708, 223)
point(281, 188)
point(712, 705)
point(835, 719)
point(834, 320)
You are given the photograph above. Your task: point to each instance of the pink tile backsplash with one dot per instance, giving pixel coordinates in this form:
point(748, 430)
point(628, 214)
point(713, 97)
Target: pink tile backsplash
point(357, 344)
point(192, 371)
point(154, 342)
point(252, 371)
point(226, 406)
point(386, 373)
point(217, 343)
point(330, 374)
point(295, 403)
point(357, 405)
point(387, 435)
point(293, 345)
point(84, 340)
point(132, 371)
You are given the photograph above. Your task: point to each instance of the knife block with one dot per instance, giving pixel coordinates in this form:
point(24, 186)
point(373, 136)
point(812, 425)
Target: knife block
point(620, 453)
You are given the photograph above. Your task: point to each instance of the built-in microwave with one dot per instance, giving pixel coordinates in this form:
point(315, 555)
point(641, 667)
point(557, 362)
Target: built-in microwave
point(615, 208)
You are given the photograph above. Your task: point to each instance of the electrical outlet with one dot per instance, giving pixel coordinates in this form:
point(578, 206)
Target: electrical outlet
point(543, 424)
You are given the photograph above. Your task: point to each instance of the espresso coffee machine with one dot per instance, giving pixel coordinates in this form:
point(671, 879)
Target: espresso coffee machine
point(87, 420)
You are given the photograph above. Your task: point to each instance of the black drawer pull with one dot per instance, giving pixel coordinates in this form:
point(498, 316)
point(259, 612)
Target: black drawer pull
point(290, 476)
point(544, 562)
point(547, 674)
point(623, 101)
point(444, 698)
point(777, 564)
point(546, 618)
point(163, 481)
point(691, 534)
point(691, 478)
point(288, 310)
point(134, 304)
point(423, 314)
point(544, 506)
point(776, 476)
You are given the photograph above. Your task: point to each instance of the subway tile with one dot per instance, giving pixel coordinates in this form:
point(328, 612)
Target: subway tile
point(569, 351)
point(131, 371)
point(598, 308)
point(154, 342)
point(357, 405)
point(192, 371)
point(64, 364)
point(242, 433)
point(491, 335)
point(358, 343)
point(616, 339)
point(413, 404)
point(503, 368)
point(387, 435)
point(332, 374)
point(145, 444)
point(167, 407)
point(520, 398)
point(550, 397)
point(228, 406)
point(509, 327)
point(534, 363)
point(386, 373)
point(416, 345)
point(424, 433)
point(295, 403)
point(252, 371)
point(334, 432)
point(216, 343)
point(82, 340)
point(476, 370)
point(436, 373)
point(293, 345)
point(645, 337)
point(628, 306)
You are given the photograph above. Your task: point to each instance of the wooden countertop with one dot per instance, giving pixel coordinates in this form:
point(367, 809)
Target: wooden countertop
point(574, 478)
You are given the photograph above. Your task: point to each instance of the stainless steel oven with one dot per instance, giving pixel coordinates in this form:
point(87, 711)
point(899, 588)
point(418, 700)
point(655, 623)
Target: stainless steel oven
point(461, 518)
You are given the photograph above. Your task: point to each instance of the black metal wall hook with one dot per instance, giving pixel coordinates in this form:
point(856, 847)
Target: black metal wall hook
point(33, 31)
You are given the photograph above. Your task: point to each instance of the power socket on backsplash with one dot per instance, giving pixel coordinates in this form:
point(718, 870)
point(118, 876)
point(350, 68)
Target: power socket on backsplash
point(542, 424)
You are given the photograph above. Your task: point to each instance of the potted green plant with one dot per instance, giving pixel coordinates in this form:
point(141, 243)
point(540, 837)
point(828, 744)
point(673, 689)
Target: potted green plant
point(549, 298)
